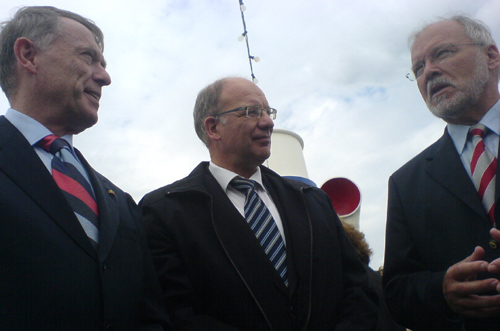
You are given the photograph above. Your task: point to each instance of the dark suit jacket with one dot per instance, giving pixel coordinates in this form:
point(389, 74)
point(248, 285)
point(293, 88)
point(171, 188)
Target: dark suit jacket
point(51, 277)
point(435, 219)
point(216, 276)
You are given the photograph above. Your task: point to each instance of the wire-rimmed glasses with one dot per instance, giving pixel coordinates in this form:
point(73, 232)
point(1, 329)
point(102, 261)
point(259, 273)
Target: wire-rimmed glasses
point(437, 56)
point(252, 112)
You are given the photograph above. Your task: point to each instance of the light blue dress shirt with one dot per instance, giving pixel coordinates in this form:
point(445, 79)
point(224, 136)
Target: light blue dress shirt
point(464, 146)
point(34, 131)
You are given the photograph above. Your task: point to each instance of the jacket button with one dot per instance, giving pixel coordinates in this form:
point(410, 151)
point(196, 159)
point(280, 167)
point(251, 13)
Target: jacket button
point(493, 244)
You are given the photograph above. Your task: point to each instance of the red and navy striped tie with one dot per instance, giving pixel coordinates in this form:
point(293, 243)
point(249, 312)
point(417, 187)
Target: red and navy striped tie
point(263, 225)
point(483, 169)
point(73, 184)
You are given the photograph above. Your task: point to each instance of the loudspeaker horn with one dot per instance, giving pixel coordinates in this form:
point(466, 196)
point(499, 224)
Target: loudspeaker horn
point(346, 199)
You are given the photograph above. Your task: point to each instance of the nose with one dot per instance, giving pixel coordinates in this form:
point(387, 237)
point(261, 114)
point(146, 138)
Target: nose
point(101, 76)
point(431, 69)
point(265, 121)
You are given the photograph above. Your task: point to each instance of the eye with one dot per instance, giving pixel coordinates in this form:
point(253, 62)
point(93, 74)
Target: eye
point(442, 54)
point(88, 56)
point(418, 70)
point(253, 111)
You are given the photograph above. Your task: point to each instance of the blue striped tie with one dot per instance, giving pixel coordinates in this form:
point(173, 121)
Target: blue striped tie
point(73, 184)
point(263, 225)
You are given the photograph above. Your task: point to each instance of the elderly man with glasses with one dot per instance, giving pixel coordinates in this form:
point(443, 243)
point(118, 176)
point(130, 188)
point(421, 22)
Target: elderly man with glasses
point(442, 243)
point(238, 247)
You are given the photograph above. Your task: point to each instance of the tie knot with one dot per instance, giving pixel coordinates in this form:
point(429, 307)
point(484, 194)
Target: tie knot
point(243, 185)
point(478, 130)
point(52, 143)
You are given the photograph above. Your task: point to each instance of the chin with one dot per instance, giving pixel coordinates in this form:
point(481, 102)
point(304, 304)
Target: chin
point(84, 124)
point(449, 108)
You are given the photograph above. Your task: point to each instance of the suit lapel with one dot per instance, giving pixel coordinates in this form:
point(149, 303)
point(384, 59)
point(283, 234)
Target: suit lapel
point(108, 209)
point(445, 167)
point(34, 179)
point(298, 232)
point(296, 225)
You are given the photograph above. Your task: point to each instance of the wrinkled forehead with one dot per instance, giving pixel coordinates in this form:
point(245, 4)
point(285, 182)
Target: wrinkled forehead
point(435, 35)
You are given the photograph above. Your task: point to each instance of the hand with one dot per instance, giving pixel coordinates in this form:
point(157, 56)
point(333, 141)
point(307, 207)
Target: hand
point(494, 266)
point(462, 290)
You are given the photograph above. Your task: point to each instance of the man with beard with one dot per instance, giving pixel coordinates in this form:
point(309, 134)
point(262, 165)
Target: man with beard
point(442, 247)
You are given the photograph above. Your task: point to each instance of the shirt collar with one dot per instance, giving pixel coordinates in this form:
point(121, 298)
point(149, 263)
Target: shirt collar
point(30, 128)
point(224, 176)
point(459, 132)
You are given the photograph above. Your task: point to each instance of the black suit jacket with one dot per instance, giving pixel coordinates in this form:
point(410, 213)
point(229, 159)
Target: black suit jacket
point(216, 276)
point(51, 277)
point(435, 219)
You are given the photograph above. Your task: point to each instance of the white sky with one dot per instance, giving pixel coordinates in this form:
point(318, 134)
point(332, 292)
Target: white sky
point(334, 69)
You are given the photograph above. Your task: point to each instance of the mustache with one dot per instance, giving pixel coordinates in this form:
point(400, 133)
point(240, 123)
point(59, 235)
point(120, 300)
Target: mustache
point(440, 80)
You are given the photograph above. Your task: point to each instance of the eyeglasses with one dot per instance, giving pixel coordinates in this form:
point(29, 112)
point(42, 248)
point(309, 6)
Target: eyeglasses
point(252, 112)
point(437, 56)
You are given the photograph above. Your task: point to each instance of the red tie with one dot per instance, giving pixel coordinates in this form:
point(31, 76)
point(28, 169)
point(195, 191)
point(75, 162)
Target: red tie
point(483, 169)
point(74, 185)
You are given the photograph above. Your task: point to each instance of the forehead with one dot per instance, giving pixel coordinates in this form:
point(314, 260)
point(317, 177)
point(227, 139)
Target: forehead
point(237, 91)
point(76, 34)
point(437, 34)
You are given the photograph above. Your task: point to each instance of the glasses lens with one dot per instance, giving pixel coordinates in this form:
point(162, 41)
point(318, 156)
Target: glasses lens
point(272, 113)
point(254, 112)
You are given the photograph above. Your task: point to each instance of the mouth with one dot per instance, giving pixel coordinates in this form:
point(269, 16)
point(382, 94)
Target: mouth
point(93, 94)
point(436, 88)
point(266, 139)
point(437, 85)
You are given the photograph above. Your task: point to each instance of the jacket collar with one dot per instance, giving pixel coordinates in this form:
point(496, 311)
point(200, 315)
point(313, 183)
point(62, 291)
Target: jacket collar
point(34, 179)
point(444, 166)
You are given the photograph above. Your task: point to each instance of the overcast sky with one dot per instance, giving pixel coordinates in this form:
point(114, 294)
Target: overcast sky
point(334, 69)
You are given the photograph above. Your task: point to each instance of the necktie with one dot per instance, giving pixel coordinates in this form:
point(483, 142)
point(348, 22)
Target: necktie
point(483, 169)
point(263, 225)
point(73, 184)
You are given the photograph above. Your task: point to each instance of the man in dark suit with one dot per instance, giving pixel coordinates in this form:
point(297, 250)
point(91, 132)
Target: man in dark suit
point(442, 247)
point(70, 259)
point(215, 273)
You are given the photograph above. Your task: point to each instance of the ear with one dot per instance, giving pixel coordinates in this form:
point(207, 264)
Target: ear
point(493, 57)
point(211, 127)
point(25, 51)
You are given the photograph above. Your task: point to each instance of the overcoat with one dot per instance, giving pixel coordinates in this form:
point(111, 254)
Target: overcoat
point(216, 276)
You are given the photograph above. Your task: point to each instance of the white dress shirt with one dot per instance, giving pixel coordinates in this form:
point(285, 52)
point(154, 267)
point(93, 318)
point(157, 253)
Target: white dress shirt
point(224, 177)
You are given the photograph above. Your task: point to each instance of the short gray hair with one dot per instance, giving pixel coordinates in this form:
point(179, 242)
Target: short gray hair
point(476, 30)
point(207, 104)
point(41, 25)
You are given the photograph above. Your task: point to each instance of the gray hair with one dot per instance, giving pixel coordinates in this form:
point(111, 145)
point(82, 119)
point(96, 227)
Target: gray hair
point(41, 25)
point(476, 30)
point(207, 104)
